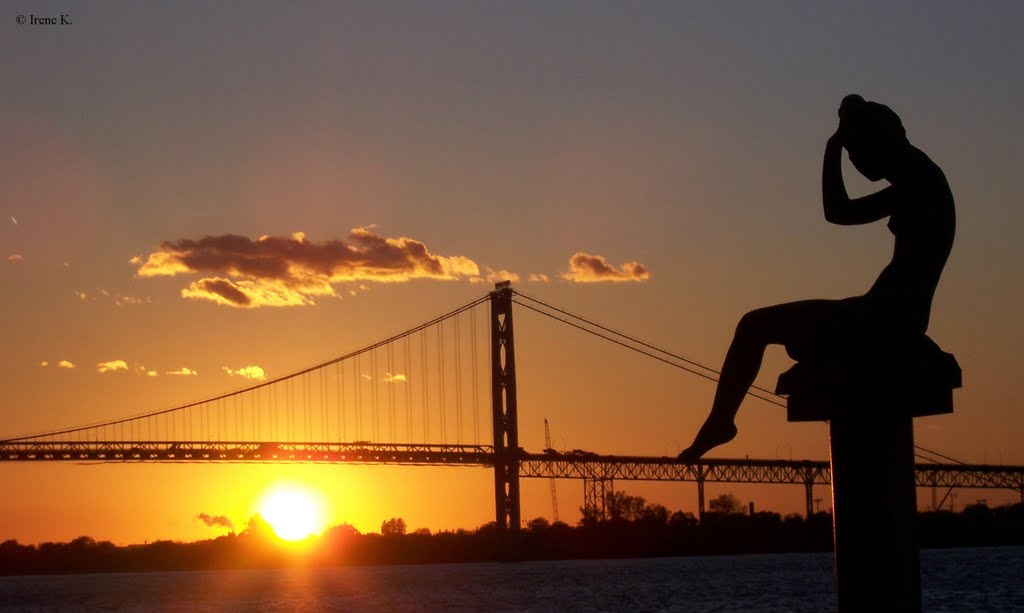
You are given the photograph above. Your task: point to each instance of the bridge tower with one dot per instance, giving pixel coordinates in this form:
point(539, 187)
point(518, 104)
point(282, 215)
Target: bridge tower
point(503, 407)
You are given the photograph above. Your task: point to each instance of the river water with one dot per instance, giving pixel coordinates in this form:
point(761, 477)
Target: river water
point(976, 579)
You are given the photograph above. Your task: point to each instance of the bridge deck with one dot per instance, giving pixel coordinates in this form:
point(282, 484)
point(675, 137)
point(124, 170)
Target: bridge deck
point(537, 465)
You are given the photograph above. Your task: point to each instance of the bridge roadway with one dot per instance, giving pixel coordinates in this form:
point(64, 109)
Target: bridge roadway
point(586, 466)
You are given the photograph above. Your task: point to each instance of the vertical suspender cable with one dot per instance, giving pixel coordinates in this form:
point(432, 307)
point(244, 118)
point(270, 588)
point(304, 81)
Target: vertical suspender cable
point(391, 389)
point(476, 376)
point(408, 392)
point(341, 400)
point(458, 380)
point(441, 380)
point(424, 377)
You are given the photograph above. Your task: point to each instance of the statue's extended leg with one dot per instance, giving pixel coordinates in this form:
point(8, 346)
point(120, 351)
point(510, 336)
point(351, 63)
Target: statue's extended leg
point(742, 363)
point(757, 329)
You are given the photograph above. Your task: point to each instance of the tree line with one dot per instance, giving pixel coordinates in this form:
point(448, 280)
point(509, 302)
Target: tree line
point(634, 528)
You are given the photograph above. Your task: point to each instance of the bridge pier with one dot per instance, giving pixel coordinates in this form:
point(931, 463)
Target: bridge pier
point(503, 410)
point(700, 495)
point(809, 495)
point(595, 497)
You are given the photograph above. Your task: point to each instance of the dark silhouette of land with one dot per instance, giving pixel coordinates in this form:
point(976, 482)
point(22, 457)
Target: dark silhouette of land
point(637, 529)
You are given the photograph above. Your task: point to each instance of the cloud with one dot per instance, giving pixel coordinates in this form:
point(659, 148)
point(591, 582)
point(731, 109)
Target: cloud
point(142, 370)
point(279, 271)
point(538, 278)
point(111, 366)
point(117, 298)
point(15, 257)
point(216, 521)
point(254, 293)
point(397, 378)
point(496, 276)
point(44, 363)
point(587, 268)
point(120, 300)
point(65, 364)
point(249, 372)
point(183, 372)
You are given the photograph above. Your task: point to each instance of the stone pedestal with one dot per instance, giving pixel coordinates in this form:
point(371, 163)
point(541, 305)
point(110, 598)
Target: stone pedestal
point(870, 402)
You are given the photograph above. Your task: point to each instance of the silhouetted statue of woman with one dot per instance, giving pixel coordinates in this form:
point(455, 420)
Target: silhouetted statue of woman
point(919, 205)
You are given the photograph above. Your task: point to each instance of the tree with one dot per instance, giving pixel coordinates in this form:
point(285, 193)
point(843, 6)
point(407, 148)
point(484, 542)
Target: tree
point(623, 506)
point(537, 524)
point(258, 527)
point(393, 527)
point(654, 513)
point(726, 504)
point(680, 520)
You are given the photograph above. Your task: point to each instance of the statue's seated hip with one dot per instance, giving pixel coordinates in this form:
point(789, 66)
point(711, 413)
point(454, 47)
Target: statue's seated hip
point(907, 375)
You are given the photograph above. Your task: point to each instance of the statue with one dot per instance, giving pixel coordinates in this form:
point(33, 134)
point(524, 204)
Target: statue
point(872, 342)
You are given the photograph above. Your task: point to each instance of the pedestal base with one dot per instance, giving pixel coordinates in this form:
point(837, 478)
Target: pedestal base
point(874, 506)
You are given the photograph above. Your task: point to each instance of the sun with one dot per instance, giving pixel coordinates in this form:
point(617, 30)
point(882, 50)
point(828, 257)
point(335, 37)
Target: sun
point(293, 512)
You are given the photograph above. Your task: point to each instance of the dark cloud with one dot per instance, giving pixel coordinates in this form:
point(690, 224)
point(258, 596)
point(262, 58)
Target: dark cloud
point(222, 289)
point(278, 271)
point(216, 521)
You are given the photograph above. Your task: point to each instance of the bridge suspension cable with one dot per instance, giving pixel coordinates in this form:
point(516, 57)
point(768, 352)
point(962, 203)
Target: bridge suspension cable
point(301, 405)
point(634, 344)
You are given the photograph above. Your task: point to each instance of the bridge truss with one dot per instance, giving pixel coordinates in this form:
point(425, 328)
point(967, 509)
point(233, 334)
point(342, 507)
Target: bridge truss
point(598, 472)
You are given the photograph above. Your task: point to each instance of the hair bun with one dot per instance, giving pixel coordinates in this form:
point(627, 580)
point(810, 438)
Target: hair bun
point(850, 104)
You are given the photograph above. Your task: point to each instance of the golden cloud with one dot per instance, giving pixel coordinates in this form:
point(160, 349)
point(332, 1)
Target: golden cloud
point(183, 372)
point(15, 257)
point(538, 278)
point(279, 271)
point(120, 300)
point(65, 364)
point(142, 370)
point(249, 372)
point(397, 378)
point(496, 276)
point(111, 366)
point(44, 363)
point(587, 268)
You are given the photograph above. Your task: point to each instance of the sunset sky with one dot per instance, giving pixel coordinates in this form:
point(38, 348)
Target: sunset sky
point(655, 166)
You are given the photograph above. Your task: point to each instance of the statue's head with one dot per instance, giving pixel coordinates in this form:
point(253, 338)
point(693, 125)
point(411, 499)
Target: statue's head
point(872, 134)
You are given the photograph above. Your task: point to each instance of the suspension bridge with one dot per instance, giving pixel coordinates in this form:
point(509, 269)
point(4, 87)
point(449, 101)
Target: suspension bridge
point(420, 398)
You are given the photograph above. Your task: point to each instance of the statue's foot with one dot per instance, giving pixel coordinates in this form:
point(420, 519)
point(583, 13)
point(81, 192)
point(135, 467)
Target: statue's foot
point(711, 435)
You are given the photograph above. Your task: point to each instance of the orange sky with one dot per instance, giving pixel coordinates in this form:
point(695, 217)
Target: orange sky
point(681, 144)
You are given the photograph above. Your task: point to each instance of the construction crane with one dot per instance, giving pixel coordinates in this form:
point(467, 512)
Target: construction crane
point(554, 494)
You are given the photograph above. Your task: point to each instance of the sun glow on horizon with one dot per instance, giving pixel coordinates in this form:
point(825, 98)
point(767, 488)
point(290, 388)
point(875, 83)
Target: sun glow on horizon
point(293, 512)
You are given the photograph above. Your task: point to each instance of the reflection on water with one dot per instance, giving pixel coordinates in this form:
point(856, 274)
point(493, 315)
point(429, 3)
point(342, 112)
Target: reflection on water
point(981, 579)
